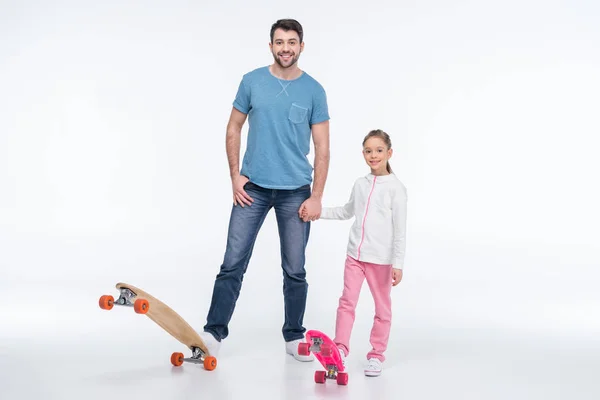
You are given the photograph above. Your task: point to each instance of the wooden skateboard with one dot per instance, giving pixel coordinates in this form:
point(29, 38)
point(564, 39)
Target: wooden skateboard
point(166, 318)
point(328, 355)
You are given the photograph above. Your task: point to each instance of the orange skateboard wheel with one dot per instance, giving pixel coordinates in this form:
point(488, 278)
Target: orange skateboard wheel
point(106, 302)
point(141, 306)
point(210, 363)
point(177, 359)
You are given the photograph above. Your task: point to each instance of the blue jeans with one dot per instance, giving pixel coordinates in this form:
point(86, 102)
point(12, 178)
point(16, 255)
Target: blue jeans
point(244, 225)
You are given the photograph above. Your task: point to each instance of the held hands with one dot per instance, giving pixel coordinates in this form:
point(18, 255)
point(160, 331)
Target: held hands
point(310, 210)
point(396, 276)
point(303, 213)
point(240, 197)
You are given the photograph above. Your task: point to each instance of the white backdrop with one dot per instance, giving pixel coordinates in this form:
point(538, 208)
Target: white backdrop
point(113, 165)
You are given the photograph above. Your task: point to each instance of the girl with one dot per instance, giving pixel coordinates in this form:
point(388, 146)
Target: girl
point(375, 248)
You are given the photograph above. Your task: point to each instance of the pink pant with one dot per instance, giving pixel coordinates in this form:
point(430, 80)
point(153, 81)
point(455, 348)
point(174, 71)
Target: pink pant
point(379, 279)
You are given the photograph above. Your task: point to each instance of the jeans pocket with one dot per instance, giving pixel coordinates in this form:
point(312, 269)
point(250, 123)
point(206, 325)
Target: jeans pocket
point(298, 114)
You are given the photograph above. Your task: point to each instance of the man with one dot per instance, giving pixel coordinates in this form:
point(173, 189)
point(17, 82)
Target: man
point(285, 108)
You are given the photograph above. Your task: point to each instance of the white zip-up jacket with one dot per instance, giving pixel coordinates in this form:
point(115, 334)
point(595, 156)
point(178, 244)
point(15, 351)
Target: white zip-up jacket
point(378, 234)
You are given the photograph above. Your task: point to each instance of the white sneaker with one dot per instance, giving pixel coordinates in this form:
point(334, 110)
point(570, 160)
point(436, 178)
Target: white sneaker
point(292, 348)
point(213, 344)
point(374, 367)
point(343, 356)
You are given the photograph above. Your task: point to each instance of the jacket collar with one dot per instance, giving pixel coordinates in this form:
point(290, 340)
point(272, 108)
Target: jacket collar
point(381, 179)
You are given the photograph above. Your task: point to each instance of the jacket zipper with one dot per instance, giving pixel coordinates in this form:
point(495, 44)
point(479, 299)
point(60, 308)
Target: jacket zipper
point(365, 218)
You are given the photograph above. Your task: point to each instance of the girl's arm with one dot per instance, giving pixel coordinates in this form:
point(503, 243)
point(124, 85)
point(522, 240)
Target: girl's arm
point(399, 221)
point(343, 212)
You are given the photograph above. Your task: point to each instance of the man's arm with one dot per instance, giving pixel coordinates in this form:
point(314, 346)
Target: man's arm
point(310, 210)
point(233, 139)
point(232, 146)
point(320, 133)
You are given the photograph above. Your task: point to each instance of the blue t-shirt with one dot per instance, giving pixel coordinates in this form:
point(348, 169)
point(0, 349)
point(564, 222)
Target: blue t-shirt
point(280, 116)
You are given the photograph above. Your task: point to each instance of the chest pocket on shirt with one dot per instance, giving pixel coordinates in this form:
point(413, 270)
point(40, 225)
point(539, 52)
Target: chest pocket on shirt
point(298, 114)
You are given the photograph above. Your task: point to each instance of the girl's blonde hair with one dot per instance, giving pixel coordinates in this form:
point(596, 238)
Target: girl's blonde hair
point(378, 133)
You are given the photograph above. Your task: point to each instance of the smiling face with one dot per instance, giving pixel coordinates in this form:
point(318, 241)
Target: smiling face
point(286, 47)
point(377, 154)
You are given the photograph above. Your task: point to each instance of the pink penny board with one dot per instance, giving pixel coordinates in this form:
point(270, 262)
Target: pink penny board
point(328, 355)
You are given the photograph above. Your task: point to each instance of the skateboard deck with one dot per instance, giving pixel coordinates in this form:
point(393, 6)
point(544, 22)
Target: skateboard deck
point(328, 355)
point(144, 303)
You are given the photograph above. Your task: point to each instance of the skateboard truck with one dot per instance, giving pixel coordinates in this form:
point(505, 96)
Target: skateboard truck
point(198, 357)
point(332, 371)
point(140, 306)
point(316, 344)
